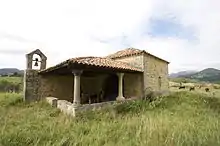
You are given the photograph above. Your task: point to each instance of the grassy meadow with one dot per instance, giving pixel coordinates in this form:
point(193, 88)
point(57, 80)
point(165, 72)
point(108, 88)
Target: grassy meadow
point(12, 79)
point(11, 83)
point(181, 119)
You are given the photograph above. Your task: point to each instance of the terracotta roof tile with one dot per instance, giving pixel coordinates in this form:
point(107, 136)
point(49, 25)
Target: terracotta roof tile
point(95, 61)
point(125, 52)
point(104, 62)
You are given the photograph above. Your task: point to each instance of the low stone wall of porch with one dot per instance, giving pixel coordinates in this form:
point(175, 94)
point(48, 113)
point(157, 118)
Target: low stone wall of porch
point(70, 109)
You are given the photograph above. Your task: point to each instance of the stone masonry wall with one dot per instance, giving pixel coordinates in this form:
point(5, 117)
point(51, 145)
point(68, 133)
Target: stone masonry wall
point(136, 61)
point(133, 85)
point(31, 85)
point(59, 86)
point(153, 69)
point(71, 110)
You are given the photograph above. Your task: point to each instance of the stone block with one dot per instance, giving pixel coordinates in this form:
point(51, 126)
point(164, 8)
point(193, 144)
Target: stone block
point(66, 107)
point(52, 101)
point(70, 109)
point(62, 105)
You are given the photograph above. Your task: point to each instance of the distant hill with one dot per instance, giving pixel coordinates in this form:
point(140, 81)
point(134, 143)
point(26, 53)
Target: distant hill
point(208, 75)
point(182, 74)
point(8, 71)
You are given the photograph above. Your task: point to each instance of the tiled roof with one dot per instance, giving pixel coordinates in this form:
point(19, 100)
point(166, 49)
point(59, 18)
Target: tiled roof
point(130, 52)
point(125, 52)
point(97, 62)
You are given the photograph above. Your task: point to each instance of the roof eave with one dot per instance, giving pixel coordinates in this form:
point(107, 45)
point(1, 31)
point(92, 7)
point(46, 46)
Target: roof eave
point(69, 64)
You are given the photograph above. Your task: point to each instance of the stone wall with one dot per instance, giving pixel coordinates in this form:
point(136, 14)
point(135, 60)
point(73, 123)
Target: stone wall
point(98, 106)
point(136, 61)
point(59, 86)
point(153, 69)
point(133, 85)
point(72, 110)
point(31, 85)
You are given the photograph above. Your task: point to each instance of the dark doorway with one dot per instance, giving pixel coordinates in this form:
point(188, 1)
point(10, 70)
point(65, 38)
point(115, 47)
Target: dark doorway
point(111, 88)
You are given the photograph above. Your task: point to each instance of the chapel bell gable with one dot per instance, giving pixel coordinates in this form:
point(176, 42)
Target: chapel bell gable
point(39, 61)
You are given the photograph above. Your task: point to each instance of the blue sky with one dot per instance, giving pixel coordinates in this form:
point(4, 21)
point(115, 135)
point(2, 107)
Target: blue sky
point(170, 27)
point(184, 32)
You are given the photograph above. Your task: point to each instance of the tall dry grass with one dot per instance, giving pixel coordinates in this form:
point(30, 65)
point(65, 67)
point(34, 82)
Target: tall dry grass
point(181, 119)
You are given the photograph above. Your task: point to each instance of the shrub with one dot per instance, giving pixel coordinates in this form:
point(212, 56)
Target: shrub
point(6, 86)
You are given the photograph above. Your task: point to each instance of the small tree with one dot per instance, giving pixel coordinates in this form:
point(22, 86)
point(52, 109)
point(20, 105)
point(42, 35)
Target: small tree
point(15, 74)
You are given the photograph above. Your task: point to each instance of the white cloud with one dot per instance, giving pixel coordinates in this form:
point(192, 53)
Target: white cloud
point(69, 28)
point(203, 16)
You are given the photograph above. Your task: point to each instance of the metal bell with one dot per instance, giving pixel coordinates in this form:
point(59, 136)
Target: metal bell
point(36, 64)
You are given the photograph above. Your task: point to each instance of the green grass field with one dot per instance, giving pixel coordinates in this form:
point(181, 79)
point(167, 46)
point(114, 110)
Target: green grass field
point(181, 119)
point(12, 79)
point(11, 84)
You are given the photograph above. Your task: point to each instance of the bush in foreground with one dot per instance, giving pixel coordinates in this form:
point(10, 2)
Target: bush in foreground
point(179, 119)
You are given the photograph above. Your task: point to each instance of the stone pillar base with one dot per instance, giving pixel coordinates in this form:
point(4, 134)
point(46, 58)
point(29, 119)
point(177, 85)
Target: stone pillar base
point(75, 105)
point(120, 98)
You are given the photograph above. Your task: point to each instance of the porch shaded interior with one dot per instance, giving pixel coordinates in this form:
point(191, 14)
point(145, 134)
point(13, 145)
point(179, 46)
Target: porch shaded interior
point(98, 88)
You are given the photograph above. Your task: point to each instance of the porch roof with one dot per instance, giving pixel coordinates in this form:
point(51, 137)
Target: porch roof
point(97, 62)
